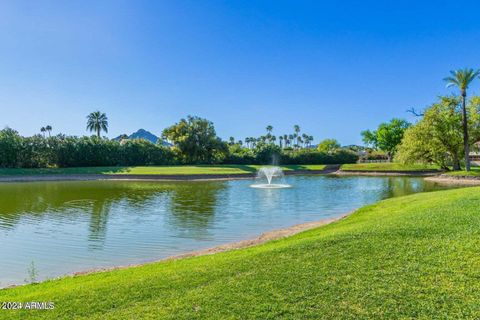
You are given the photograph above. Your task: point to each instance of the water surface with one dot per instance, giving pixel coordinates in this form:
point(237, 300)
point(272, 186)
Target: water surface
point(64, 227)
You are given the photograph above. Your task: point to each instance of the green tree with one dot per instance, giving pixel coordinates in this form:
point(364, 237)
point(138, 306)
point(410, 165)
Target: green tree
point(438, 136)
point(296, 138)
point(97, 122)
point(387, 136)
point(196, 141)
point(43, 130)
point(328, 145)
point(462, 79)
point(48, 128)
point(10, 147)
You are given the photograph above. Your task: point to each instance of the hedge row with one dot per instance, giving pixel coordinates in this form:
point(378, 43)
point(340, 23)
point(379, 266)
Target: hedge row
point(62, 151)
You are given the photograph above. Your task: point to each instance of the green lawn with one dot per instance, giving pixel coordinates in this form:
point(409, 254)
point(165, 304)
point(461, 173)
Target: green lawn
point(413, 257)
point(165, 170)
point(474, 172)
point(387, 166)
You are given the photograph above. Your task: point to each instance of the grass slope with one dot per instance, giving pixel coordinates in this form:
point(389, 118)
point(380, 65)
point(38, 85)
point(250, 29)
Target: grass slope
point(387, 166)
point(475, 172)
point(409, 257)
point(164, 170)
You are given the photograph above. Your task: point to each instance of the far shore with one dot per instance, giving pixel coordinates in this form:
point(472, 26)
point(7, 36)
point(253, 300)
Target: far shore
point(414, 173)
point(458, 180)
point(211, 173)
point(148, 177)
point(206, 175)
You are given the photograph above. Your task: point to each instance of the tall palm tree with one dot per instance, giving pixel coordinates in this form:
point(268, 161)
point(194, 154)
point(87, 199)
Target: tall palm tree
point(285, 138)
point(280, 140)
point(42, 130)
point(299, 141)
point(462, 79)
point(305, 140)
point(49, 129)
point(97, 122)
point(254, 142)
point(296, 129)
point(269, 128)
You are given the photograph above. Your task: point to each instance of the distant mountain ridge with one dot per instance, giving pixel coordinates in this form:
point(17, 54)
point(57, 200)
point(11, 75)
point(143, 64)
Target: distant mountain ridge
point(143, 134)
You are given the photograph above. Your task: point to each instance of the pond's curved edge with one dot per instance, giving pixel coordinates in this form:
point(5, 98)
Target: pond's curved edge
point(265, 237)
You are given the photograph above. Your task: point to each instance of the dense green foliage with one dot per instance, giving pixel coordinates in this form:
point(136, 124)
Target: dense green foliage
point(438, 136)
point(387, 136)
point(195, 141)
point(62, 151)
point(413, 257)
point(268, 153)
point(328, 145)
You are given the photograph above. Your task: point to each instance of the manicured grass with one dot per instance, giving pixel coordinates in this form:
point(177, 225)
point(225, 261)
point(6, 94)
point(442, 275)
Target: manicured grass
point(413, 257)
point(475, 171)
point(164, 170)
point(387, 166)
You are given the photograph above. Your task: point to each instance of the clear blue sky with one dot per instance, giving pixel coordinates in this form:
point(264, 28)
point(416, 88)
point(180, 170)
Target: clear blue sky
point(333, 67)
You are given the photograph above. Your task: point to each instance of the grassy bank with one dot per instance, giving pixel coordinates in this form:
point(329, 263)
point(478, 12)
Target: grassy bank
point(163, 170)
point(387, 166)
point(474, 172)
point(410, 257)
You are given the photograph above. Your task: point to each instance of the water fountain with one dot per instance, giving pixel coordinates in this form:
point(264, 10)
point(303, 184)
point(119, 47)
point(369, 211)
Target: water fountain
point(269, 173)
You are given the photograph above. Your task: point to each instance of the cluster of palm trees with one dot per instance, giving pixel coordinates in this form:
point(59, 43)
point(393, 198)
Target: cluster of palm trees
point(47, 128)
point(294, 140)
point(96, 122)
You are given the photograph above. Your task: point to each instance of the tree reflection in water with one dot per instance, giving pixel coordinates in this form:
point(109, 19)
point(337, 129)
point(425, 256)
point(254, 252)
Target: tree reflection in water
point(189, 204)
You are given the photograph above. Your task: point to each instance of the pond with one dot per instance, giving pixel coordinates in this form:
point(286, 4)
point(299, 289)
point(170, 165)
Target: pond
point(65, 227)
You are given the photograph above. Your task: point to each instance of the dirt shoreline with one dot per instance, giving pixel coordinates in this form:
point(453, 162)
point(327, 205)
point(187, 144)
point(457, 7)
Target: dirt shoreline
point(458, 180)
point(263, 238)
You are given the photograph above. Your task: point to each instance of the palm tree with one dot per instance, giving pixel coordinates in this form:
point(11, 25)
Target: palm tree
point(269, 128)
point(232, 141)
point(49, 129)
point(305, 140)
point(280, 140)
point(462, 79)
point(296, 129)
point(254, 142)
point(299, 140)
point(285, 138)
point(98, 122)
point(42, 130)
